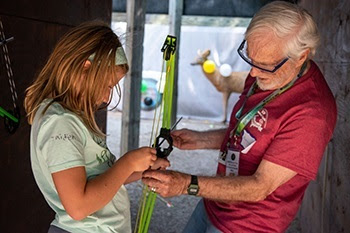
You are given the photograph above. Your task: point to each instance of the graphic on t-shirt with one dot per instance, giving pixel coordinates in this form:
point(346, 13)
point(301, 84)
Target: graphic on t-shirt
point(260, 119)
point(64, 136)
point(105, 157)
point(100, 141)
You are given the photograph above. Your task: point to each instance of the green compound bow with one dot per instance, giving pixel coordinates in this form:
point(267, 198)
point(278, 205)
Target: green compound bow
point(148, 198)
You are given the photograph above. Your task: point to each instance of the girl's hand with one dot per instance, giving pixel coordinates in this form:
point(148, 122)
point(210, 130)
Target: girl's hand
point(141, 159)
point(160, 164)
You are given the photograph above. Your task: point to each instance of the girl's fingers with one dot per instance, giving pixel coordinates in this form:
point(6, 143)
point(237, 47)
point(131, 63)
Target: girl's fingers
point(154, 157)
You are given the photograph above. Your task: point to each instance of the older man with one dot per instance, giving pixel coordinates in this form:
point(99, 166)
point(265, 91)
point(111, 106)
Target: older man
point(277, 134)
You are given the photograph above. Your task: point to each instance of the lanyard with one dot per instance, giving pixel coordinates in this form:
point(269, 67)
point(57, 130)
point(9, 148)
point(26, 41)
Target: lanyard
point(242, 121)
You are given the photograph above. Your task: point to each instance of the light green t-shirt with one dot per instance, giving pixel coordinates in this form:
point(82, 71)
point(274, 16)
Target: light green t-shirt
point(59, 141)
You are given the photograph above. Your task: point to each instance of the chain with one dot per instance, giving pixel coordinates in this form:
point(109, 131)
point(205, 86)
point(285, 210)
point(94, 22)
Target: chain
point(3, 43)
point(12, 117)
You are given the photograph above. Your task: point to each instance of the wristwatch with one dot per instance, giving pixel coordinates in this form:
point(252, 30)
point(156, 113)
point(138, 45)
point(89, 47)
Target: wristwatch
point(193, 188)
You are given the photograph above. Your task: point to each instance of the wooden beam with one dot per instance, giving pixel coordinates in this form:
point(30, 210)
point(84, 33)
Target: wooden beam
point(175, 14)
point(75, 12)
point(136, 11)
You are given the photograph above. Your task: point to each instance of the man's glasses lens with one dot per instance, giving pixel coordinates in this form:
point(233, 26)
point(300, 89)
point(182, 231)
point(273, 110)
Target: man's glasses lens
point(242, 51)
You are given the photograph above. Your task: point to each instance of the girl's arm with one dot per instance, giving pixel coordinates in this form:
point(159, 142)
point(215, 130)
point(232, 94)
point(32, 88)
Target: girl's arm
point(81, 198)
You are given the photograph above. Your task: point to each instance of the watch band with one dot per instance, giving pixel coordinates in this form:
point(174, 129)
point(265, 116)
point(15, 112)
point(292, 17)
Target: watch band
point(193, 188)
point(194, 179)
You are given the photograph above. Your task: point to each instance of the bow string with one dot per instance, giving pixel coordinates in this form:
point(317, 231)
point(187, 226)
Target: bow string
point(148, 198)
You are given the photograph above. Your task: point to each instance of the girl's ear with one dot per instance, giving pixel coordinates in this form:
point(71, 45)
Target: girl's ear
point(87, 64)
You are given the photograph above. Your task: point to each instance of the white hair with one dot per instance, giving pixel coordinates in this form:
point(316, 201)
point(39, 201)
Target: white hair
point(287, 21)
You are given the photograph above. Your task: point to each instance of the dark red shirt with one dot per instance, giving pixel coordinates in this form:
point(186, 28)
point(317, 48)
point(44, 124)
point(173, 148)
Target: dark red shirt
point(292, 131)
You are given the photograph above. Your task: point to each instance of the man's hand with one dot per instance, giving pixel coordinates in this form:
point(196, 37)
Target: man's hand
point(186, 139)
point(167, 183)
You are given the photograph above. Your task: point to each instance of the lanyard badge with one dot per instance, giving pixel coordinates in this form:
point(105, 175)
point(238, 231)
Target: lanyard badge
point(230, 157)
point(232, 162)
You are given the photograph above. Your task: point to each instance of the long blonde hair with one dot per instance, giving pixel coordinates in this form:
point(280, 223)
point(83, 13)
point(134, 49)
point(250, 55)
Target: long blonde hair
point(64, 78)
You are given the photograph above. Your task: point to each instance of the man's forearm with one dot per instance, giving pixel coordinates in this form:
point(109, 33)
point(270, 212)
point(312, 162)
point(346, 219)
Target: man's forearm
point(220, 188)
point(211, 139)
point(267, 178)
point(232, 189)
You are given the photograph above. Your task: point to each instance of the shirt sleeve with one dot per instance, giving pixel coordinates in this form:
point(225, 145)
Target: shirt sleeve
point(300, 144)
point(62, 142)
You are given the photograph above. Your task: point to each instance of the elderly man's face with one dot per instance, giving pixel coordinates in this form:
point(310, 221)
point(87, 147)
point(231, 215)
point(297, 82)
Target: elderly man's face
point(265, 49)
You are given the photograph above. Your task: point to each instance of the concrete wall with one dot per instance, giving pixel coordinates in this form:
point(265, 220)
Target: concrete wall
point(326, 206)
point(36, 26)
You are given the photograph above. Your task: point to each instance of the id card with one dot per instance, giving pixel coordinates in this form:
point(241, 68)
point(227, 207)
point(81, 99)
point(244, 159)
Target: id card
point(232, 162)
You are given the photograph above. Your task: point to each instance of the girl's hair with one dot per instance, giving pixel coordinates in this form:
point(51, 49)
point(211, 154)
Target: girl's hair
point(66, 80)
point(290, 22)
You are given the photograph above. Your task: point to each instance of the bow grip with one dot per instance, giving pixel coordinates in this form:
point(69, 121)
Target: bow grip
point(165, 135)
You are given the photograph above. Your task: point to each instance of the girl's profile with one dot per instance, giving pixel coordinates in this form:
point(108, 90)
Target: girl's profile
point(78, 176)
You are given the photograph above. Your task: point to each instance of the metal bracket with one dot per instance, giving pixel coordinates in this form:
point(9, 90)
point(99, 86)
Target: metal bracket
point(169, 47)
point(11, 119)
point(3, 42)
point(165, 136)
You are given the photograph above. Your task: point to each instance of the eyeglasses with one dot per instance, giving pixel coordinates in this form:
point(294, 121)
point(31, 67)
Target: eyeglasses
point(242, 51)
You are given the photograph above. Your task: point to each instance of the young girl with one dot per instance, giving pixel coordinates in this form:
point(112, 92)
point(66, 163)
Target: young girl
point(75, 171)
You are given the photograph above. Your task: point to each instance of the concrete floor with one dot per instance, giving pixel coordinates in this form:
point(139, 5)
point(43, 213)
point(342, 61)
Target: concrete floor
point(200, 162)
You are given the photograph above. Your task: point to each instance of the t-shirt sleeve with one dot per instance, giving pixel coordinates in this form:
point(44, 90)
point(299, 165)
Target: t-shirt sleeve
point(300, 144)
point(62, 142)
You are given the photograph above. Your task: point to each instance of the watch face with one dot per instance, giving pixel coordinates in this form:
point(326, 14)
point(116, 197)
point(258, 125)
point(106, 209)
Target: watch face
point(192, 189)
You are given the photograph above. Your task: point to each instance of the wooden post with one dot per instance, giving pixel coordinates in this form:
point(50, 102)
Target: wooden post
point(23, 207)
point(135, 11)
point(326, 205)
point(175, 13)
